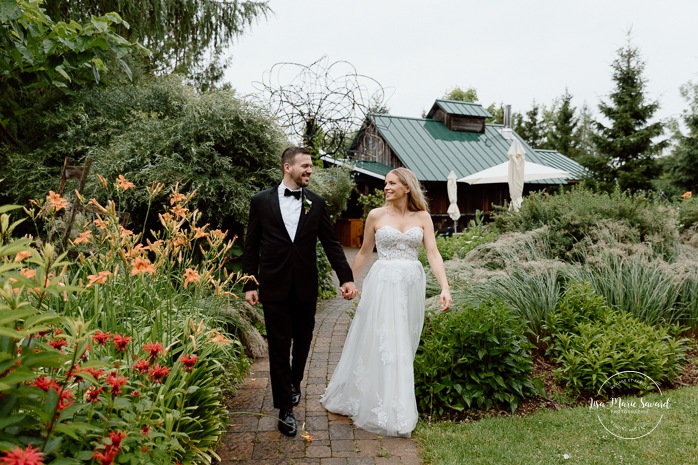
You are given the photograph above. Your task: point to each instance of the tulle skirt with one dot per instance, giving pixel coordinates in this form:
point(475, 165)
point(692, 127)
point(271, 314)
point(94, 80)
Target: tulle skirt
point(373, 382)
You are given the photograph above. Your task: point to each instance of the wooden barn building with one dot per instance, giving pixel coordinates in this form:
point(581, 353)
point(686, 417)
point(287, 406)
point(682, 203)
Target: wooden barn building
point(452, 137)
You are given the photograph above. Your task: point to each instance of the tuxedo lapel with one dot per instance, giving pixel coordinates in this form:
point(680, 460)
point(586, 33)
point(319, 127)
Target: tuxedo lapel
point(276, 211)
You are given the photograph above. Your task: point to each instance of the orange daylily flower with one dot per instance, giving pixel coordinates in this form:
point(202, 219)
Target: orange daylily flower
point(99, 278)
point(100, 223)
point(21, 255)
point(199, 232)
point(176, 197)
point(687, 195)
point(191, 276)
point(125, 232)
point(56, 201)
point(218, 338)
point(83, 237)
point(166, 218)
point(179, 211)
point(141, 265)
point(123, 183)
point(28, 273)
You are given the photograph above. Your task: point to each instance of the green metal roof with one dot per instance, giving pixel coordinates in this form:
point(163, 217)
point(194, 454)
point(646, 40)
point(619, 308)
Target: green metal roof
point(456, 107)
point(431, 150)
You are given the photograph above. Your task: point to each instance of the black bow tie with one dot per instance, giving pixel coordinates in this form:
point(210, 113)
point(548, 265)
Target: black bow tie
point(296, 194)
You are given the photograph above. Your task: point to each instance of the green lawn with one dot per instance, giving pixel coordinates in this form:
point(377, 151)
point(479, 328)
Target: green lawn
point(569, 436)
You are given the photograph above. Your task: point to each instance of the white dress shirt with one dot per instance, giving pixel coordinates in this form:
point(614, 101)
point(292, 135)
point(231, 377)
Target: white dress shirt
point(290, 210)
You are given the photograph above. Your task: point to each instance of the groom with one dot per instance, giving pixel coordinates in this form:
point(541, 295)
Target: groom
point(284, 225)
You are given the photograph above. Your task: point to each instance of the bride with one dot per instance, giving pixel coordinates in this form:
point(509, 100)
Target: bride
point(374, 379)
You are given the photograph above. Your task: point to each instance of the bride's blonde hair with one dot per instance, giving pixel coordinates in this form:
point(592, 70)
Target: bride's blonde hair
point(416, 200)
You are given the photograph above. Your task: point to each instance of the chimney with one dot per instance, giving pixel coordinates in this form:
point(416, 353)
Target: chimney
point(507, 132)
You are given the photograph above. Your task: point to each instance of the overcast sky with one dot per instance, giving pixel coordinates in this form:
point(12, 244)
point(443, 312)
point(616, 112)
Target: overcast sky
point(510, 51)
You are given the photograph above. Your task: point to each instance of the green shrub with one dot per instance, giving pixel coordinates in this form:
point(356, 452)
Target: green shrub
point(573, 215)
point(688, 213)
point(592, 342)
point(473, 357)
point(458, 245)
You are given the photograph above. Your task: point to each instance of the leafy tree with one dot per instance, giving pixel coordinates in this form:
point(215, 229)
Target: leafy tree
point(460, 95)
point(163, 131)
point(497, 112)
point(681, 167)
point(562, 125)
point(628, 145)
point(531, 127)
point(41, 58)
point(184, 36)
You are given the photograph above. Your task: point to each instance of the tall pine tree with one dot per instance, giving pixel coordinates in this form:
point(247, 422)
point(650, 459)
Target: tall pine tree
point(628, 146)
point(531, 127)
point(681, 166)
point(562, 133)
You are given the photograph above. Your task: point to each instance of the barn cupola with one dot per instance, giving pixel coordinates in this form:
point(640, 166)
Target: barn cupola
point(460, 116)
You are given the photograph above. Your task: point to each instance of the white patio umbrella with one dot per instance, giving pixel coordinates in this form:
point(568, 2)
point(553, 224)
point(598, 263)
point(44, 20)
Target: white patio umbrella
point(452, 188)
point(500, 173)
point(515, 176)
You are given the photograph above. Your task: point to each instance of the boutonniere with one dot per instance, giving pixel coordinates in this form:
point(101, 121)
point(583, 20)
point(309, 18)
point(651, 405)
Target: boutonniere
point(307, 204)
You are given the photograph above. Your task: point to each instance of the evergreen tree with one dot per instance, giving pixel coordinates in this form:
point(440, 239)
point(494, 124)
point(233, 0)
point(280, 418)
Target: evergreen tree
point(682, 165)
point(531, 127)
point(627, 147)
point(562, 125)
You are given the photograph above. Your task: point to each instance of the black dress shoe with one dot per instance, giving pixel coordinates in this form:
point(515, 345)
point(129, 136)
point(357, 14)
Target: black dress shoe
point(287, 422)
point(295, 395)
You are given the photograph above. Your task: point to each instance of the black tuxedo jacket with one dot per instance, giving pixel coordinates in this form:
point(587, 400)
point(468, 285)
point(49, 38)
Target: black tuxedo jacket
point(281, 263)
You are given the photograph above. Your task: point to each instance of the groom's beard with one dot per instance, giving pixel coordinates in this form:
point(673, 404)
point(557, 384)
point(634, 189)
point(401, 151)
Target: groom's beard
point(302, 181)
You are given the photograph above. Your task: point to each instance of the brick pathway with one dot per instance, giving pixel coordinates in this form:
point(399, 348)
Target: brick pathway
point(254, 439)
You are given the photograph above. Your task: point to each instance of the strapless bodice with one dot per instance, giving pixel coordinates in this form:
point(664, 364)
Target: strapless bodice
point(393, 244)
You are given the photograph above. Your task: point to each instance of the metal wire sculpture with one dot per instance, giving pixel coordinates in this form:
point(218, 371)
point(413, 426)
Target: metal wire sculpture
point(322, 104)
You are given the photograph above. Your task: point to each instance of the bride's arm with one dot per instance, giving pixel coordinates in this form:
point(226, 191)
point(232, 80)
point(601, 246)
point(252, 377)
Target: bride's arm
point(436, 262)
point(366, 252)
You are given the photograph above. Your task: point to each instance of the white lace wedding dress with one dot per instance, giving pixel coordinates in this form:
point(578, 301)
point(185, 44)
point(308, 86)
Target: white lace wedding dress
point(373, 382)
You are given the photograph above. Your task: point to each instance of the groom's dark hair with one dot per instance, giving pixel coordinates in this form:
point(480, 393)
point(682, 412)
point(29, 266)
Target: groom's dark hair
point(291, 152)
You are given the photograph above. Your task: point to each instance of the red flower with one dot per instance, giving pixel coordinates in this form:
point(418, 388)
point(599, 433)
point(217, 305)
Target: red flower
point(66, 399)
point(145, 430)
point(46, 383)
point(19, 456)
point(142, 366)
point(116, 382)
point(136, 394)
point(92, 394)
point(158, 373)
point(106, 458)
point(111, 449)
point(120, 342)
point(154, 349)
point(94, 371)
point(188, 361)
point(101, 338)
point(58, 344)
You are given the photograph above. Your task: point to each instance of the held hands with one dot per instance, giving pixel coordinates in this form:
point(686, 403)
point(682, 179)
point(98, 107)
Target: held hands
point(446, 300)
point(252, 297)
point(349, 290)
